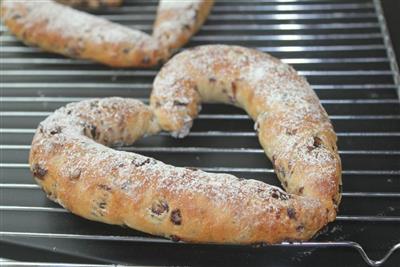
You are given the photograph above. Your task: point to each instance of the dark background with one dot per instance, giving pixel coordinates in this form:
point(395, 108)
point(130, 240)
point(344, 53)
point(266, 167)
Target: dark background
point(391, 8)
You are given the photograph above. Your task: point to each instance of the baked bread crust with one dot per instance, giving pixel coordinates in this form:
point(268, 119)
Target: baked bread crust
point(73, 33)
point(292, 126)
point(70, 162)
point(177, 21)
point(116, 187)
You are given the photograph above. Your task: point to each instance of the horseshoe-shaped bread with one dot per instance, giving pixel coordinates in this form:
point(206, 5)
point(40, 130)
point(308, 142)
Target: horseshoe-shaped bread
point(292, 126)
point(73, 33)
point(70, 163)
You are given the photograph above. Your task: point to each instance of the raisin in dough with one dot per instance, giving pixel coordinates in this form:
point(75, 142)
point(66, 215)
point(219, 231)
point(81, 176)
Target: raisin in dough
point(71, 163)
point(60, 29)
point(292, 126)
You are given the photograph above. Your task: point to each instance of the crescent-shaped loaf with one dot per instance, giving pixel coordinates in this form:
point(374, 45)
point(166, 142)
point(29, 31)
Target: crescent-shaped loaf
point(71, 163)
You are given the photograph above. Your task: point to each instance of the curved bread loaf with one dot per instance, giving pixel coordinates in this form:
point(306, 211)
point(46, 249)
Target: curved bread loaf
point(292, 126)
point(70, 163)
point(73, 33)
point(69, 160)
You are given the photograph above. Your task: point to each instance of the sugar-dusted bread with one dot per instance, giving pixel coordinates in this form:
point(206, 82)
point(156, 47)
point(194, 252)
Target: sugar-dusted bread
point(60, 29)
point(71, 163)
point(292, 126)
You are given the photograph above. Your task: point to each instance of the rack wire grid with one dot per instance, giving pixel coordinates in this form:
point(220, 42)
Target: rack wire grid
point(341, 47)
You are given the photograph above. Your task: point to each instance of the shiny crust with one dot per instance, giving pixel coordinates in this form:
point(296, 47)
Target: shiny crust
point(292, 126)
point(63, 30)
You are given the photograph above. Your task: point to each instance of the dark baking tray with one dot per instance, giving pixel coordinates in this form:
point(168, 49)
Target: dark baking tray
point(342, 49)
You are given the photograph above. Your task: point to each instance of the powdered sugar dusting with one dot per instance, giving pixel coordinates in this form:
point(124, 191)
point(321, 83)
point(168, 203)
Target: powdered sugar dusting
point(58, 28)
point(273, 82)
point(183, 20)
point(274, 95)
point(63, 135)
point(71, 23)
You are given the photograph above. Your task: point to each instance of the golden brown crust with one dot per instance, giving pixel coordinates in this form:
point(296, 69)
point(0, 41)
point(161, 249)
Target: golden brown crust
point(117, 187)
point(292, 126)
point(77, 34)
point(61, 29)
point(177, 21)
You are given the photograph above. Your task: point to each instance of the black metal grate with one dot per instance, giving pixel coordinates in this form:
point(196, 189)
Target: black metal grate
point(342, 49)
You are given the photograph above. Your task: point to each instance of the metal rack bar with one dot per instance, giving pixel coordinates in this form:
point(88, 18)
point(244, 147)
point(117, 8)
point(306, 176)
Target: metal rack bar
point(324, 41)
